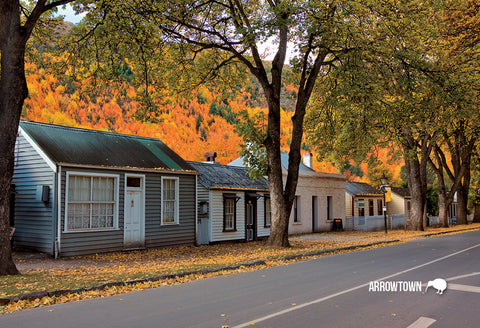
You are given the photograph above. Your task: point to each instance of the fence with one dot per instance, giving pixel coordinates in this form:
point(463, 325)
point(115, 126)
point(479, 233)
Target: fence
point(433, 220)
point(374, 223)
point(395, 221)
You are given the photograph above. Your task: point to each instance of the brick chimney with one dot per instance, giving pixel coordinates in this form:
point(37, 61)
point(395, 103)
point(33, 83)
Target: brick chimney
point(210, 156)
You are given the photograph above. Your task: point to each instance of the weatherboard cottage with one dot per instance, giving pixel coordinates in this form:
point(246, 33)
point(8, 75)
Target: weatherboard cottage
point(231, 206)
point(82, 191)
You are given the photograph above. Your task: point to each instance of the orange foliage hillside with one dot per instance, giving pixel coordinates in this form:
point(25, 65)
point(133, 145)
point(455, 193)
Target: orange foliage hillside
point(188, 125)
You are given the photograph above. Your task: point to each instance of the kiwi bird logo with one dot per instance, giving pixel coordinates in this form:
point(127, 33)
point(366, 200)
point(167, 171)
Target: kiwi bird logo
point(439, 284)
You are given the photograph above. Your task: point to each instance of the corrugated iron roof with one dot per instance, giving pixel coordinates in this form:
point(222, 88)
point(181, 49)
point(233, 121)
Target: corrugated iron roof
point(68, 145)
point(404, 192)
point(283, 157)
point(217, 176)
point(361, 188)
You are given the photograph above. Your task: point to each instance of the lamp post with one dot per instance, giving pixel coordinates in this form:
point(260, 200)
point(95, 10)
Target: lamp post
point(383, 189)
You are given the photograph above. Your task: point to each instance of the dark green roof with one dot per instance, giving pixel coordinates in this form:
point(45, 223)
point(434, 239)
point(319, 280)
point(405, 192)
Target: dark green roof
point(361, 188)
point(217, 176)
point(67, 145)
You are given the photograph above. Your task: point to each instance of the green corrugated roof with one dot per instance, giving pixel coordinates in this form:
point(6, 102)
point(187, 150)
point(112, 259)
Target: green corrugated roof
point(67, 145)
point(218, 176)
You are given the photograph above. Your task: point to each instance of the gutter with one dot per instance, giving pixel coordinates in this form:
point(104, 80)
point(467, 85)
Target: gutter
point(130, 168)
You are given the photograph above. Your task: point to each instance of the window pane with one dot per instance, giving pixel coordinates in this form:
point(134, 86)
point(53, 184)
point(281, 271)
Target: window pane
point(133, 182)
point(170, 203)
point(229, 204)
point(91, 202)
point(268, 212)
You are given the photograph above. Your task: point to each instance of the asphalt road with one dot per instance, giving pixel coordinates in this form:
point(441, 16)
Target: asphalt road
point(334, 291)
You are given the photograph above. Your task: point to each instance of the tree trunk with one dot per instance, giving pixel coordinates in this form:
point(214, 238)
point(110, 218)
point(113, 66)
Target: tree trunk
point(462, 198)
point(13, 91)
point(416, 173)
point(476, 213)
point(443, 205)
point(463, 189)
point(415, 221)
point(280, 215)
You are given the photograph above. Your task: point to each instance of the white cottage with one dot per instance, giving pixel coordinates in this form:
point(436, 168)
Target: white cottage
point(320, 197)
point(231, 206)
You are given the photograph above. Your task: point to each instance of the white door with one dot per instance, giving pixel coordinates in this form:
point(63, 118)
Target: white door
point(134, 236)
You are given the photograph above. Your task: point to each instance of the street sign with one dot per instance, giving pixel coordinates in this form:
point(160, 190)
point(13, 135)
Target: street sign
point(388, 194)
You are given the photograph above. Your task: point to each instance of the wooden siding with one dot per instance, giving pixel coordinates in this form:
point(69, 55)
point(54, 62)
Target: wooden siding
point(397, 205)
point(34, 220)
point(180, 234)
point(261, 230)
point(156, 235)
point(90, 242)
point(203, 195)
point(216, 221)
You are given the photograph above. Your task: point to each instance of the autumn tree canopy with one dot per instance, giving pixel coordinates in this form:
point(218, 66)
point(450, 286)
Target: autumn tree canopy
point(407, 88)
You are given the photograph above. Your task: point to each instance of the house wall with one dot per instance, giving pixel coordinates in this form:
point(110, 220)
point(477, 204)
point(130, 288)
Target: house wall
point(262, 231)
point(34, 220)
point(182, 234)
point(203, 224)
point(156, 235)
point(349, 199)
point(216, 217)
point(397, 205)
point(308, 187)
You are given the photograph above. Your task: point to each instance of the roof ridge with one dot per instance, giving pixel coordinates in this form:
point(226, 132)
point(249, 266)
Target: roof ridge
point(86, 130)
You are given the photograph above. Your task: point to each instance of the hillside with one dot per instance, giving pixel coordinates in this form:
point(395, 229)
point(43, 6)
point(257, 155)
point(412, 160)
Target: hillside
point(191, 125)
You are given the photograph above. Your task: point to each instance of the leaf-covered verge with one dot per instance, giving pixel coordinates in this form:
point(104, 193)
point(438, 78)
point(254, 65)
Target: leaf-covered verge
point(87, 271)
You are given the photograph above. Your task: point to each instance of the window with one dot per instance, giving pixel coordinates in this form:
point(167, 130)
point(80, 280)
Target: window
point(370, 207)
point(134, 182)
point(91, 202)
point(170, 202)
point(361, 207)
point(379, 206)
point(229, 212)
point(329, 208)
point(296, 209)
point(268, 212)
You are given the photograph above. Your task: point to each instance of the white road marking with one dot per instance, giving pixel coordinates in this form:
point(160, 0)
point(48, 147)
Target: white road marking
point(464, 288)
point(463, 276)
point(319, 300)
point(422, 322)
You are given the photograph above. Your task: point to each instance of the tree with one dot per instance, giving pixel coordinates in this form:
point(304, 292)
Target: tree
point(16, 26)
point(379, 95)
point(232, 32)
point(457, 78)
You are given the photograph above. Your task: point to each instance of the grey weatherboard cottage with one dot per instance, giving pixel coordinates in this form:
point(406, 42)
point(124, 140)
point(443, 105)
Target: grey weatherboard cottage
point(83, 191)
point(231, 206)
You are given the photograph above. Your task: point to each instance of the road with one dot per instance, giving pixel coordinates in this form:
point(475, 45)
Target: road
point(334, 291)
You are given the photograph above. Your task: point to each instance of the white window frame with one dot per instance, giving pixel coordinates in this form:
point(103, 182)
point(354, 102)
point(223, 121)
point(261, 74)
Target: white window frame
point(296, 210)
point(177, 202)
point(267, 213)
point(116, 179)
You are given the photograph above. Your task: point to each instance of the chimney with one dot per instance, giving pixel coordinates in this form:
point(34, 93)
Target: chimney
point(307, 159)
point(210, 156)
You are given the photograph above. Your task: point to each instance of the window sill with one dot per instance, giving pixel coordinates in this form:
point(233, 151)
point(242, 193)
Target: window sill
point(91, 230)
point(297, 223)
point(166, 224)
